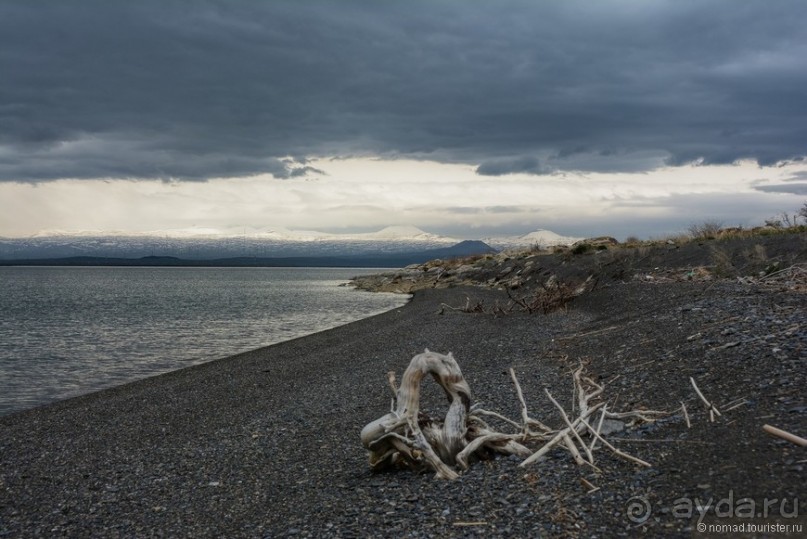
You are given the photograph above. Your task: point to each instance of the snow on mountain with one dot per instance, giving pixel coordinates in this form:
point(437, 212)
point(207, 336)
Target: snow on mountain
point(402, 232)
point(542, 238)
point(207, 243)
point(410, 233)
point(390, 233)
point(198, 243)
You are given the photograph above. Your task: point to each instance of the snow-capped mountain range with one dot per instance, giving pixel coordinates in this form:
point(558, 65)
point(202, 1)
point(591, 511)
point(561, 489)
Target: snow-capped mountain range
point(202, 243)
point(408, 233)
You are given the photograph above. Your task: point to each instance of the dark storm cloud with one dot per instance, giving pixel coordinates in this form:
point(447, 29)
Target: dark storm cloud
point(200, 89)
point(797, 176)
point(791, 188)
point(502, 166)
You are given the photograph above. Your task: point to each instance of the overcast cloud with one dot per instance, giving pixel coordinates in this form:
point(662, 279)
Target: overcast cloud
point(197, 90)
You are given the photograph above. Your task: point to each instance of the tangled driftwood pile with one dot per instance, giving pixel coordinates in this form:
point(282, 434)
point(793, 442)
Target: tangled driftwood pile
point(407, 437)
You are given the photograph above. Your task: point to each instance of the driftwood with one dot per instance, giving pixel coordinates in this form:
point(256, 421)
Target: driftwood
point(399, 434)
point(408, 438)
point(546, 297)
point(709, 406)
point(783, 434)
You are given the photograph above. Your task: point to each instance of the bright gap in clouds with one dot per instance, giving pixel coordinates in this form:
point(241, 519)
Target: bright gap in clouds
point(354, 195)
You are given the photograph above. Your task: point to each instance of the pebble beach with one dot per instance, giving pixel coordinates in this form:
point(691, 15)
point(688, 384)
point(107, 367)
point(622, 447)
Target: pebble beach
point(266, 443)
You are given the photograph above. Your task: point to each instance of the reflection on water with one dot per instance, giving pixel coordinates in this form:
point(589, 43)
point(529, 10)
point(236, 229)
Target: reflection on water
point(67, 331)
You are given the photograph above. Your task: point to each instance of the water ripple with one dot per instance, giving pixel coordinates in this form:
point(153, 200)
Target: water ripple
point(68, 331)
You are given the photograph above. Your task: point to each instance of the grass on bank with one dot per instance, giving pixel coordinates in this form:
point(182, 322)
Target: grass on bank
point(708, 232)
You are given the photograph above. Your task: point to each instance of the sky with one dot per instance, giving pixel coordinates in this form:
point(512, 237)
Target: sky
point(464, 118)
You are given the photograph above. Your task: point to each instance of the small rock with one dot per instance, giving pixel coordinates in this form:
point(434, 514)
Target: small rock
point(610, 426)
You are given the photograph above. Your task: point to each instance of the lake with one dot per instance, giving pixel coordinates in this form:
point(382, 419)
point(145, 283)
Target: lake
point(69, 331)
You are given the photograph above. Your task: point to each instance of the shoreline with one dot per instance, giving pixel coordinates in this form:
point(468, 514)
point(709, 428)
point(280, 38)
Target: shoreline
point(60, 350)
point(179, 371)
point(265, 443)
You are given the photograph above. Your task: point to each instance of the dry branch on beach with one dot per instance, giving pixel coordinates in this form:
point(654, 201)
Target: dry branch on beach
point(783, 434)
point(409, 438)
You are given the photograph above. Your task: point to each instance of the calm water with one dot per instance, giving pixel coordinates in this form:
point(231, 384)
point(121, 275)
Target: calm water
point(67, 331)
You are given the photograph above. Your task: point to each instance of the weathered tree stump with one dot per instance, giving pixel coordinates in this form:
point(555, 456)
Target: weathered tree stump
point(407, 437)
point(403, 434)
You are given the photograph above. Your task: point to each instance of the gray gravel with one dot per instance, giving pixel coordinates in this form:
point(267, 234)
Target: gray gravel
point(266, 444)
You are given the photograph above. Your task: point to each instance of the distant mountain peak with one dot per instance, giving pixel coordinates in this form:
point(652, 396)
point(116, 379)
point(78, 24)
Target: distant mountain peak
point(540, 237)
point(402, 231)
